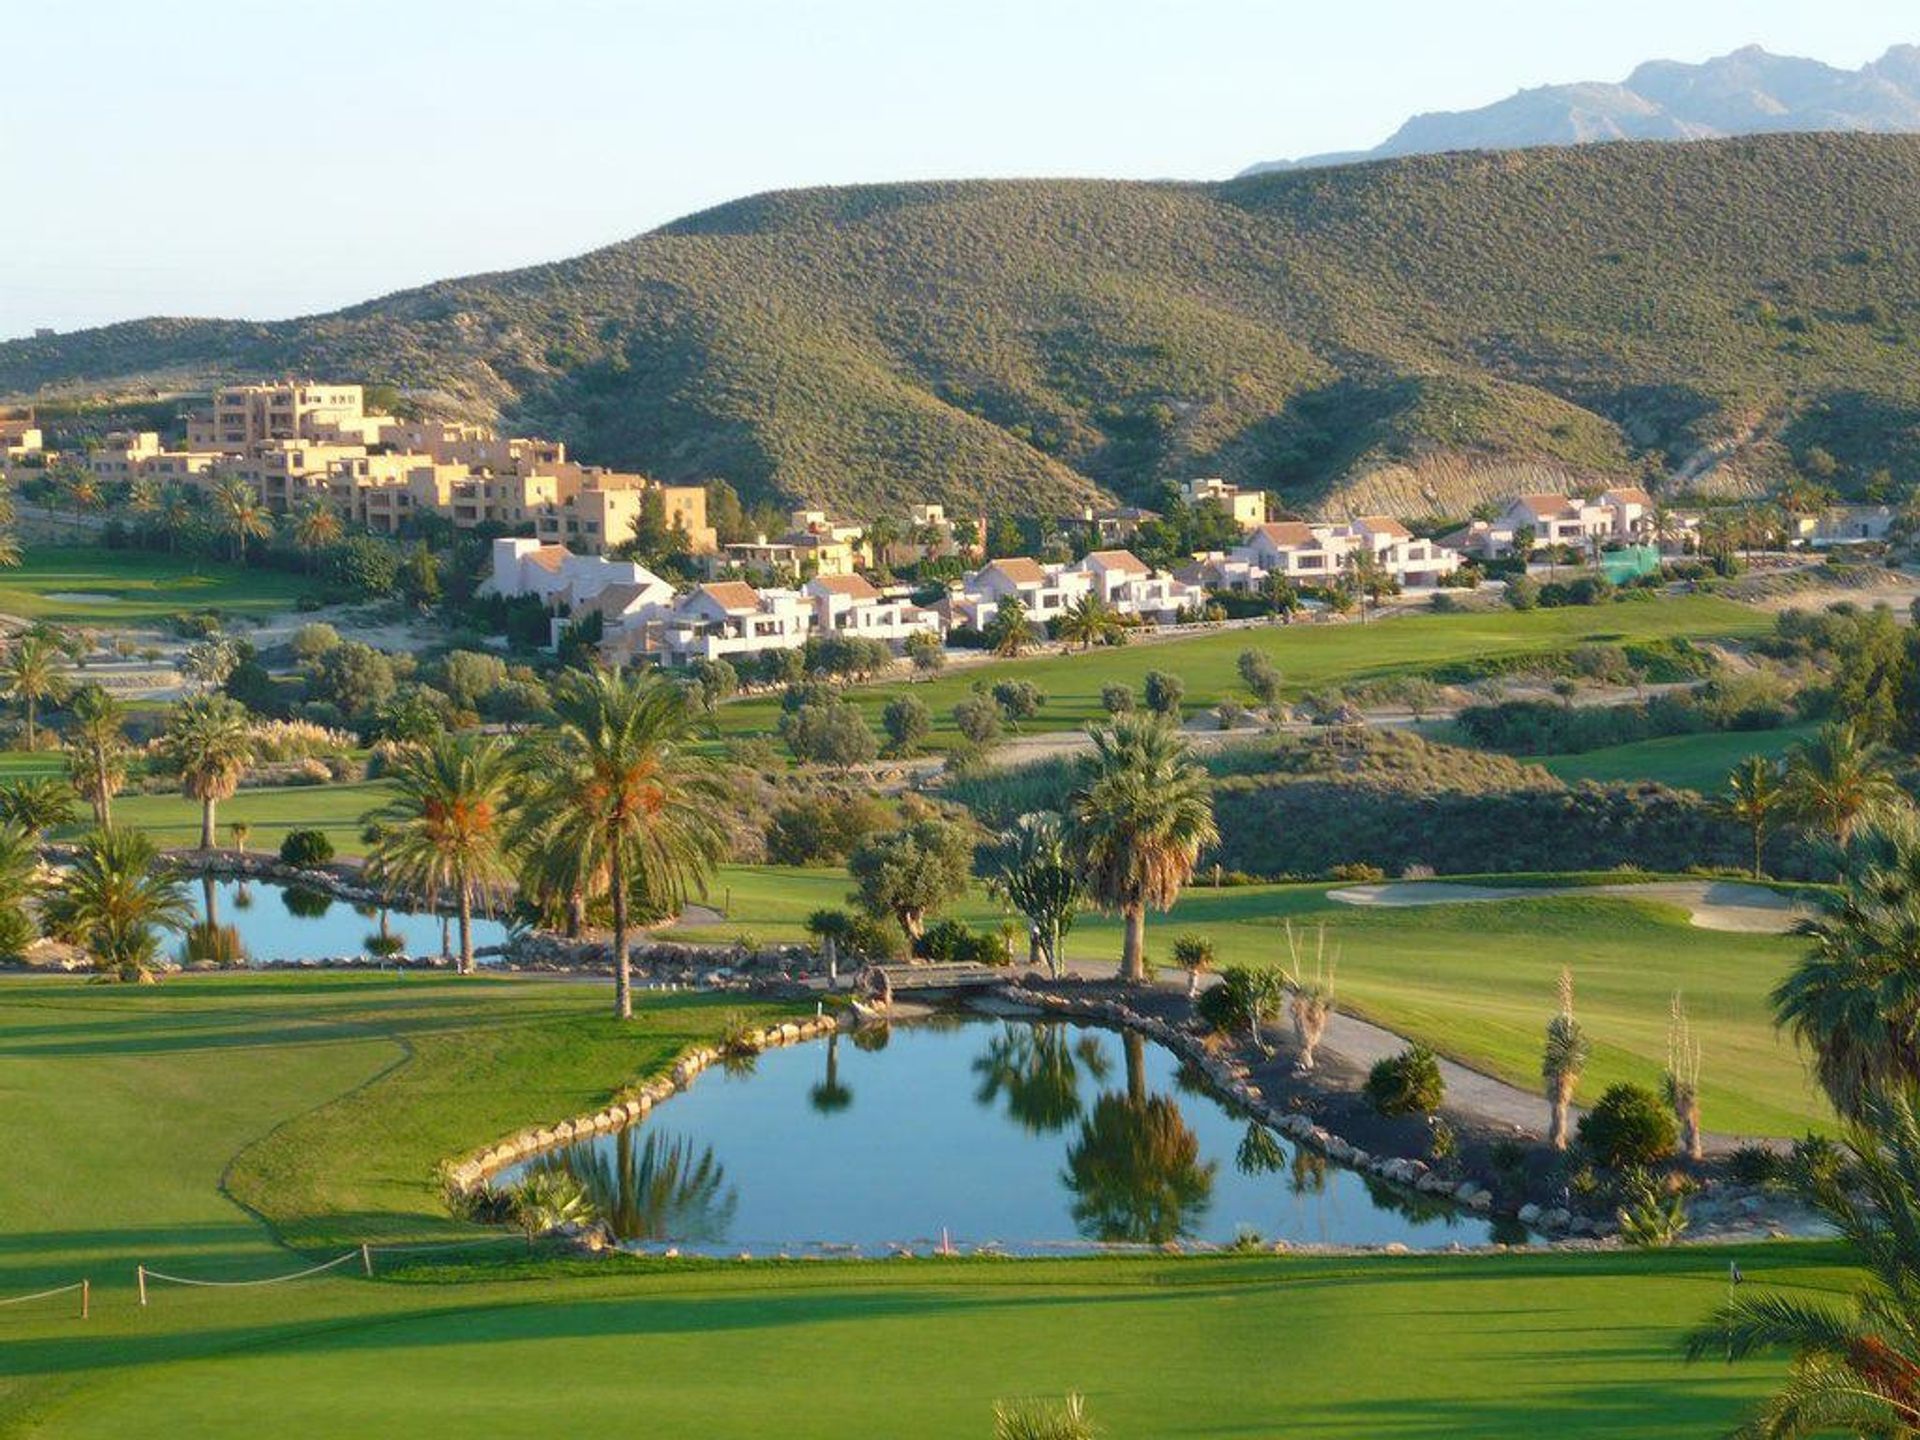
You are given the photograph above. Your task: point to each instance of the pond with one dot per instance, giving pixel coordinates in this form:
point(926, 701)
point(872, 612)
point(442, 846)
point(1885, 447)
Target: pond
point(1029, 1136)
point(274, 923)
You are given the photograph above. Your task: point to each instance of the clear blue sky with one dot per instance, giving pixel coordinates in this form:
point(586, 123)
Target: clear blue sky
point(259, 158)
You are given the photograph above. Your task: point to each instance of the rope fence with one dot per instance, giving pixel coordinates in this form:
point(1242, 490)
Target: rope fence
point(85, 1287)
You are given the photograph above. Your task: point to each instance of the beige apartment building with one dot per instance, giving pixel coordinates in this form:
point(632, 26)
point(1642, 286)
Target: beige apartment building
point(595, 510)
point(247, 415)
point(19, 433)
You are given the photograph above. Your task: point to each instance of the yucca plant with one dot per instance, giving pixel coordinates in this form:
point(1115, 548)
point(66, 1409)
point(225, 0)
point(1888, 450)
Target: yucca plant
point(1681, 1083)
point(546, 1201)
point(1309, 996)
point(1650, 1218)
point(1042, 1420)
point(1565, 1058)
point(1193, 954)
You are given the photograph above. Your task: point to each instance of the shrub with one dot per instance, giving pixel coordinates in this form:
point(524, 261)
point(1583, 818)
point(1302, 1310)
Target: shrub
point(1755, 1166)
point(907, 724)
point(1630, 1127)
point(977, 718)
point(1406, 1084)
point(950, 942)
point(1523, 592)
point(313, 640)
point(1358, 872)
point(306, 848)
point(1163, 692)
point(1018, 700)
point(822, 829)
point(1116, 699)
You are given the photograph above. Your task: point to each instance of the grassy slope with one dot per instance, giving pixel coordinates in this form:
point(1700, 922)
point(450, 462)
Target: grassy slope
point(146, 588)
point(338, 809)
point(1004, 344)
point(324, 1099)
point(1686, 762)
point(1308, 657)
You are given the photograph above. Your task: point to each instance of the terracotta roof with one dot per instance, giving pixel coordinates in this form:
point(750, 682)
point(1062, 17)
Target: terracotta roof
point(1020, 570)
point(854, 587)
point(1384, 525)
point(1119, 560)
point(1545, 505)
point(731, 594)
point(1286, 533)
point(617, 597)
point(549, 557)
point(1628, 495)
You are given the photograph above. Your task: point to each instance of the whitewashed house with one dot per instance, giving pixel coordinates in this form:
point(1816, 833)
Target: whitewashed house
point(853, 605)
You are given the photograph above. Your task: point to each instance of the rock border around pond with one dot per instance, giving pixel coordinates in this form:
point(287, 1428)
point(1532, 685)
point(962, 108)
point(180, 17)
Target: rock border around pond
point(466, 1175)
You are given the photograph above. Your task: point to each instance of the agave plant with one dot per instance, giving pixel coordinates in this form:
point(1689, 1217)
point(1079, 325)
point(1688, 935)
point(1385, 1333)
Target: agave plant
point(1042, 1420)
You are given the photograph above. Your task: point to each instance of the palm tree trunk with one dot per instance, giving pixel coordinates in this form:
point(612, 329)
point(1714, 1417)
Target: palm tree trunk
point(1136, 1048)
point(1133, 953)
point(207, 828)
point(1557, 1130)
point(622, 963)
point(29, 700)
point(466, 929)
point(1756, 852)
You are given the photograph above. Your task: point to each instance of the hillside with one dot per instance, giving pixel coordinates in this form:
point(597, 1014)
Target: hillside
point(1415, 334)
point(1749, 92)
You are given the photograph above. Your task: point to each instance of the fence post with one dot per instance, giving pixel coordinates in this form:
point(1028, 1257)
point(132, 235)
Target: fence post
point(366, 1259)
point(140, 1271)
point(86, 1297)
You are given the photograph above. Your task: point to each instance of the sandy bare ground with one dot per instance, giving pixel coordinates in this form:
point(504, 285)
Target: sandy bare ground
point(1710, 904)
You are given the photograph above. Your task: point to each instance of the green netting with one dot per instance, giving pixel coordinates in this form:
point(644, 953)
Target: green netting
point(1630, 563)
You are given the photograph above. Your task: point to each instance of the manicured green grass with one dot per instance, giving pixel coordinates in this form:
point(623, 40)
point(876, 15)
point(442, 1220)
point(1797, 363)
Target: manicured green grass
point(143, 587)
point(339, 809)
point(1475, 981)
point(192, 1126)
point(1308, 656)
point(1686, 762)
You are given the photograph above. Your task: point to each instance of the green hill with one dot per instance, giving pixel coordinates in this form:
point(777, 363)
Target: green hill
point(1417, 333)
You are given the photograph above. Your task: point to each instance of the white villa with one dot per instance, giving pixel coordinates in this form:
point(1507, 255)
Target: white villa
point(1119, 577)
point(1316, 553)
point(1625, 515)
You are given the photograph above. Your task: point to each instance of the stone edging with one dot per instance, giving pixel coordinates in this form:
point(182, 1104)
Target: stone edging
point(1232, 1080)
point(467, 1174)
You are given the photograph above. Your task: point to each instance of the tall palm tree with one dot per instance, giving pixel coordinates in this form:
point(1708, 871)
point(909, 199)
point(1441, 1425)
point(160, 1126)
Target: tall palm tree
point(209, 743)
point(620, 778)
point(115, 900)
point(1855, 1371)
point(1754, 799)
point(240, 514)
point(1041, 881)
point(1854, 1000)
point(97, 750)
point(1037, 1068)
point(1139, 819)
point(32, 673)
point(444, 831)
point(1836, 782)
point(144, 496)
point(177, 514)
point(316, 525)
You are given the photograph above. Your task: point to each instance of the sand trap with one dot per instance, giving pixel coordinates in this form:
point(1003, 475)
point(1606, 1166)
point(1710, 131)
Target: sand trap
point(1710, 904)
point(81, 597)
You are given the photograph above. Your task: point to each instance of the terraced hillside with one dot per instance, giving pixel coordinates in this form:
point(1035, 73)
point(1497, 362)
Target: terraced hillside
point(1416, 334)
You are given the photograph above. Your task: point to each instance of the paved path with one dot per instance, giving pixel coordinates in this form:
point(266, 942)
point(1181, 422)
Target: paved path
point(1711, 904)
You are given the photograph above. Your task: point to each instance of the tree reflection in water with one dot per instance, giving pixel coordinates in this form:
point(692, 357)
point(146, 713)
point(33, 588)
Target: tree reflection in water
point(1135, 1171)
point(1260, 1152)
point(1037, 1068)
point(660, 1189)
point(830, 1096)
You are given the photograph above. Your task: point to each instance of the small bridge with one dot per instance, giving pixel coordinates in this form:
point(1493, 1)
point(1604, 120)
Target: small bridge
point(902, 978)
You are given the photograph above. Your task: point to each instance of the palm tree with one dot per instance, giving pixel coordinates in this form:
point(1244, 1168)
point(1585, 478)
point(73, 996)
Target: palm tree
point(1566, 1055)
point(31, 673)
point(1009, 631)
point(97, 750)
point(316, 525)
point(209, 743)
point(85, 493)
point(177, 514)
point(621, 782)
point(1753, 797)
point(1854, 1000)
point(1089, 621)
point(19, 886)
point(1142, 814)
point(36, 806)
point(240, 513)
point(444, 831)
point(1037, 1069)
point(1836, 782)
point(830, 1097)
point(1041, 882)
point(114, 901)
point(662, 1189)
point(144, 496)
point(1855, 1371)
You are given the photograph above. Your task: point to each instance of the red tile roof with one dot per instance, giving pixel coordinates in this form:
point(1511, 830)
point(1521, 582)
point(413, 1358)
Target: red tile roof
point(732, 594)
point(1020, 570)
point(854, 587)
point(1125, 560)
point(1283, 534)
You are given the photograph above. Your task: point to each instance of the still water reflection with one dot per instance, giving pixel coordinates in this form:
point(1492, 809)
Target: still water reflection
point(263, 922)
point(1025, 1134)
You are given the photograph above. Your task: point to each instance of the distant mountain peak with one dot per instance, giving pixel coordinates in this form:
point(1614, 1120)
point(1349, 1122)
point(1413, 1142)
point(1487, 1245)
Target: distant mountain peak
point(1748, 91)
